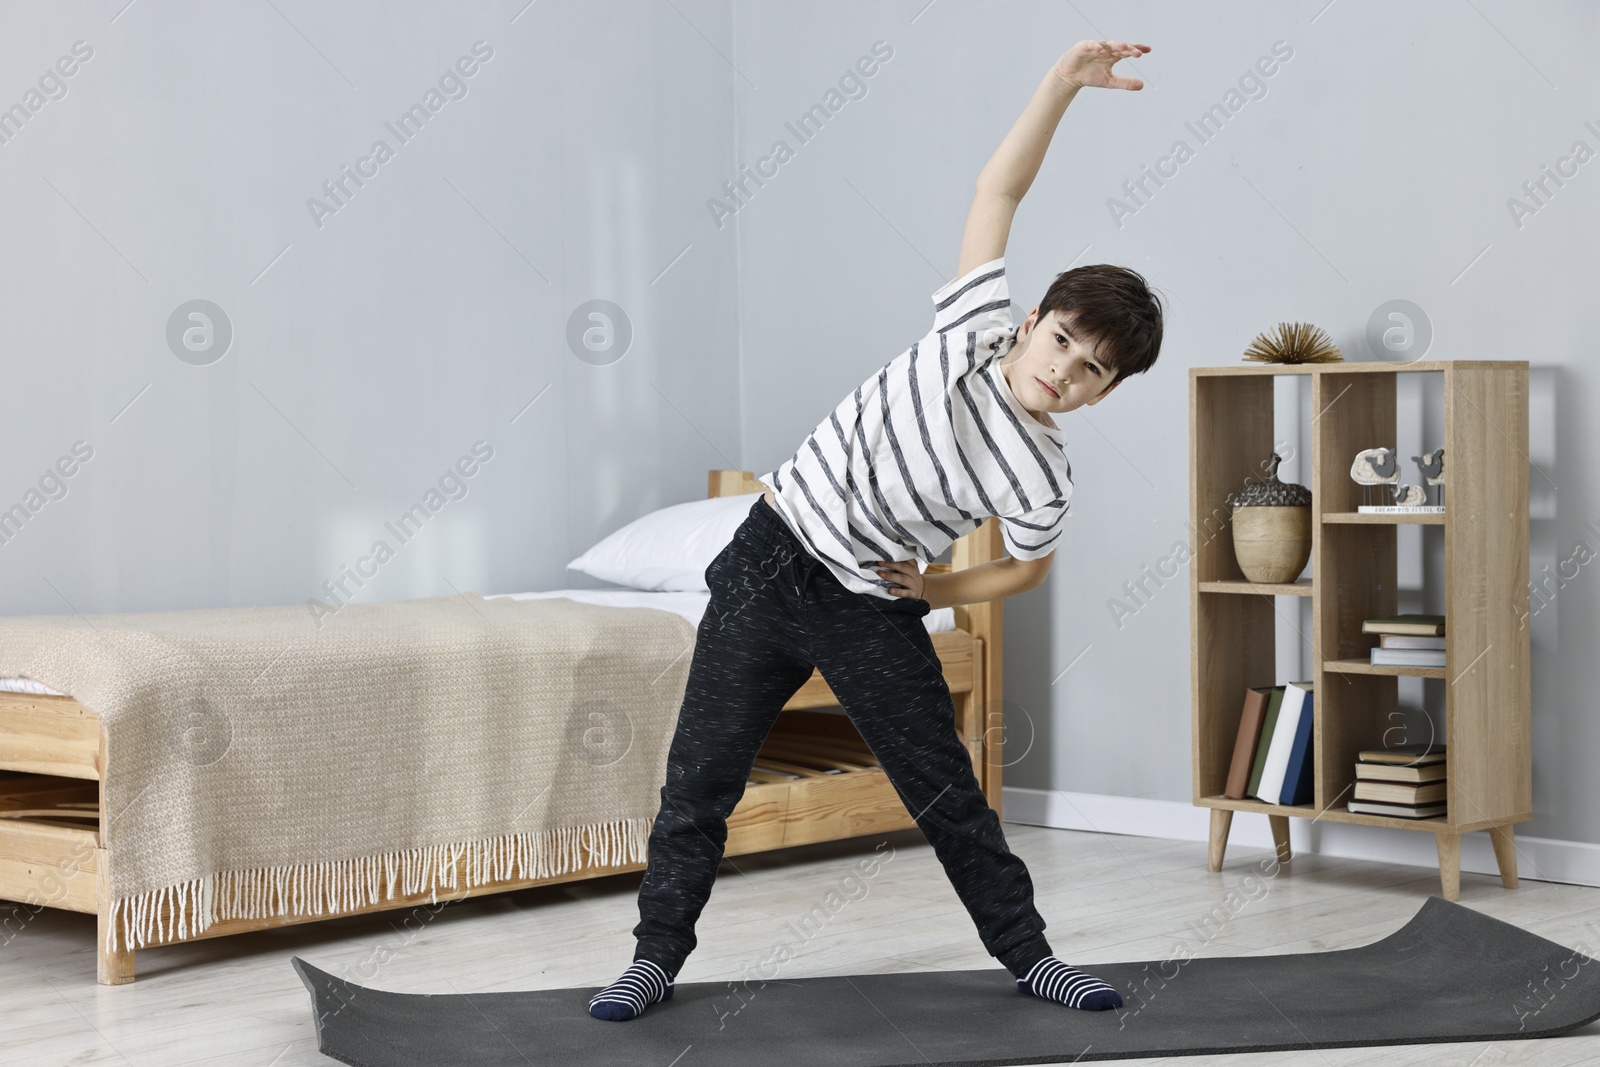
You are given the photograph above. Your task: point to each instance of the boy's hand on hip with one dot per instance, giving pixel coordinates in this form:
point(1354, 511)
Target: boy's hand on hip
point(1088, 64)
point(909, 580)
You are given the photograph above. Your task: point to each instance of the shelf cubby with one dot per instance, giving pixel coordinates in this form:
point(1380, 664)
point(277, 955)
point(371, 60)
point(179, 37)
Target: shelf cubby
point(1353, 576)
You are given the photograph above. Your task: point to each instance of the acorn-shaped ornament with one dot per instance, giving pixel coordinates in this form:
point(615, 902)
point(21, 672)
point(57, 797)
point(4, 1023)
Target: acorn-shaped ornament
point(1271, 527)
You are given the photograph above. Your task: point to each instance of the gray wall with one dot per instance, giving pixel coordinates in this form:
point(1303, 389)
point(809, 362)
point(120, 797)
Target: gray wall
point(1374, 164)
point(372, 352)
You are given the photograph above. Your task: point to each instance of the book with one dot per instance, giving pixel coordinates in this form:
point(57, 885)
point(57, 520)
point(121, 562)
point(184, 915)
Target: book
point(1369, 807)
point(1400, 793)
point(1253, 789)
point(1298, 777)
point(1400, 509)
point(1404, 624)
point(1394, 772)
point(1408, 657)
point(1409, 641)
point(1244, 746)
point(1283, 731)
point(1411, 755)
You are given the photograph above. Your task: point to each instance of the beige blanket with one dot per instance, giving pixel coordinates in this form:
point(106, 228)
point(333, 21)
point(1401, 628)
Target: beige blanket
point(261, 762)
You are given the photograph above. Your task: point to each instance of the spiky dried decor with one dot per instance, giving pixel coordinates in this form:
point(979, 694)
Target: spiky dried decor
point(1294, 342)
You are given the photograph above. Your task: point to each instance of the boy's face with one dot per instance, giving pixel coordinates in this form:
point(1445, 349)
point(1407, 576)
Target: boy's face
point(1053, 367)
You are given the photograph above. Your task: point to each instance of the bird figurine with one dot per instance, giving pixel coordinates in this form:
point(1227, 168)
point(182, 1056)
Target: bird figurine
point(1372, 467)
point(1432, 466)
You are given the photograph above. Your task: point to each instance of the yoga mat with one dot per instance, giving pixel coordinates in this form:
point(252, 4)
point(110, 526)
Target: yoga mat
point(1450, 974)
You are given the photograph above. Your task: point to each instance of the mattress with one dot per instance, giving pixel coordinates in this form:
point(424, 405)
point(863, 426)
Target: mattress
point(690, 605)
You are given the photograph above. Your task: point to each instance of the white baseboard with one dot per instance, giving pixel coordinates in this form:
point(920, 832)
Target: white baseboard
point(1538, 858)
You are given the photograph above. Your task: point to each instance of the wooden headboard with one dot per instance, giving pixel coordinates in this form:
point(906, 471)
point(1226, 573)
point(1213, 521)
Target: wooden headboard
point(984, 620)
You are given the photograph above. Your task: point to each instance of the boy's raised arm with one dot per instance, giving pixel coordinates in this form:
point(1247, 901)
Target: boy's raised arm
point(1011, 170)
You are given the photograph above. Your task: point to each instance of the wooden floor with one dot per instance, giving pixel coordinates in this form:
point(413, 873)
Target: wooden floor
point(236, 1002)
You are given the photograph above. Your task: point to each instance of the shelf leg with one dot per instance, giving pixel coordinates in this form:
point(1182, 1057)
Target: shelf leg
point(112, 968)
point(1505, 854)
point(1450, 864)
point(1280, 835)
point(1221, 819)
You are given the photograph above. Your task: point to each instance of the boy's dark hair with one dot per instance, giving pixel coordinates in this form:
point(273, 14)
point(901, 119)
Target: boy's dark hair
point(1119, 313)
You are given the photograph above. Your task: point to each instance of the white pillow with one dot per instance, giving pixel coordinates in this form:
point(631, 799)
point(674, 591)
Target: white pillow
point(668, 550)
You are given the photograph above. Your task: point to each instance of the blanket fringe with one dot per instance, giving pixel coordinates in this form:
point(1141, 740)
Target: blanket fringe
point(188, 909)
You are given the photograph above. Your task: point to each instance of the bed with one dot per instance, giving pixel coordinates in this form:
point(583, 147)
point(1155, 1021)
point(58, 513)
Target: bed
point(814, 779)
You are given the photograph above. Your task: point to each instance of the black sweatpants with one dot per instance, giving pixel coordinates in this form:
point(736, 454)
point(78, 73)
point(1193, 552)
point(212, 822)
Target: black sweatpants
point(775, 612)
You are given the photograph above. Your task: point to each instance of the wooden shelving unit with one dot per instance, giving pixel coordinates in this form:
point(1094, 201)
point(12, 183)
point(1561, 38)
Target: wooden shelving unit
point(1353, 577)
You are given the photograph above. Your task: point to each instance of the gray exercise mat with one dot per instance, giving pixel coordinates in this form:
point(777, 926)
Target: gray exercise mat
point(1450, 974)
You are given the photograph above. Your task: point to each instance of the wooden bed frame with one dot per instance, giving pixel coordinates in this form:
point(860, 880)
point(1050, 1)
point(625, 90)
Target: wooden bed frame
point(50, 811)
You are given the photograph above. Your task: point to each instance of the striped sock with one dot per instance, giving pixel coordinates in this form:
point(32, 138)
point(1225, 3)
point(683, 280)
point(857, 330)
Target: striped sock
point(640, 986)
point(1053, 979)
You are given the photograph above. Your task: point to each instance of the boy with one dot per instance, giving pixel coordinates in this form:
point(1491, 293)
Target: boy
point(826, 570)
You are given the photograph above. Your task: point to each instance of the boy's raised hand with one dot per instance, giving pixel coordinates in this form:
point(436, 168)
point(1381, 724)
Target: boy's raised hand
point(1008, 175)
point(1088, 64)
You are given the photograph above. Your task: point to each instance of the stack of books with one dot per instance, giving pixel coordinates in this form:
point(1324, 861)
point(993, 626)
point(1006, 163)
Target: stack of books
point(1408, 640)
point(1272, 753)
point(1408, 782)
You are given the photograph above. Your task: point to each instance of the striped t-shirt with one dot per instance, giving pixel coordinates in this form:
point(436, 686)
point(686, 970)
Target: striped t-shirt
point(927, 448)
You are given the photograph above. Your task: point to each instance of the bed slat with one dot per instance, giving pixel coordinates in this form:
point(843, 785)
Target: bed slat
point(49, 735)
